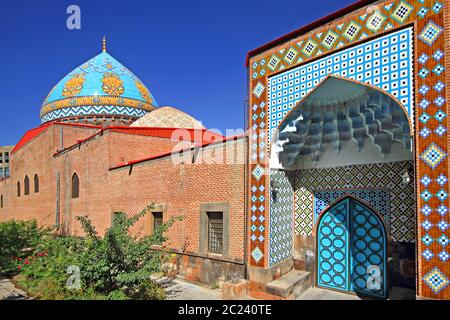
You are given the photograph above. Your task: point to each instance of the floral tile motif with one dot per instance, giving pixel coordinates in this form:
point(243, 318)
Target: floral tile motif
point(436, 280)
point(430, 33)
point(433, 156)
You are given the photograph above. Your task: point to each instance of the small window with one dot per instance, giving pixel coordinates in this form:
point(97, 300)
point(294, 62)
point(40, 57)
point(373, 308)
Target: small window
point(114, 216)
point(18, 188)
point(75, 186)
point(1, 201)
point(36, 183)
point(215, 232)
point(157, 219)
point(26, 186)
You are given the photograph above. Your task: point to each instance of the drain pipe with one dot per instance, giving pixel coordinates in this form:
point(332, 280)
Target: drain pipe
point(246, 143)
point(246, 169)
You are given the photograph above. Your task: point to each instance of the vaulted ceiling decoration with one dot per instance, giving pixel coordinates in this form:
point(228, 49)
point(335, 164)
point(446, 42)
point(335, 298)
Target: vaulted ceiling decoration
point(340, 111)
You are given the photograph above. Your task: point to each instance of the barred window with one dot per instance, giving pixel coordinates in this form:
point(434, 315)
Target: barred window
point(157, 220)
point(215, 232)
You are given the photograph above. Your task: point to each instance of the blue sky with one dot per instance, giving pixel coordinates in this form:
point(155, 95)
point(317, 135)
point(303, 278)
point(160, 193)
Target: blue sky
point(190, 53)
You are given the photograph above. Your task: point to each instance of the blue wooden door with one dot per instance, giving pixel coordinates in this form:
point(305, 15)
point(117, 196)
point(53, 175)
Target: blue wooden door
point(351, 250)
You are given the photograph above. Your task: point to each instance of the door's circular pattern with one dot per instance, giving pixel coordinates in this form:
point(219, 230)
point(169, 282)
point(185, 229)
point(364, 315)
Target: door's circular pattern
point(339, 279)
point(374, 245)
point(369, 255)
point(332, 240)
point(326, 230)
point(338, 243)
point(360, 244)
point(339, 267)
point(351, 244)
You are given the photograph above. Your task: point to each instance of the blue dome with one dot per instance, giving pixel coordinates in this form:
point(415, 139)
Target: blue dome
point(101, 87)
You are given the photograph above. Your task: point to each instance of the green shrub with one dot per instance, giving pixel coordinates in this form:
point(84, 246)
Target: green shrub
point(17, 240)
point(45, 272)
point(123, 262)
point(117, 266)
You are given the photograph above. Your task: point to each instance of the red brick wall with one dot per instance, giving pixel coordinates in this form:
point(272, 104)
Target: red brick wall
point(181, 187)
point(71, 134)
point(36, 157)
point(126, 147)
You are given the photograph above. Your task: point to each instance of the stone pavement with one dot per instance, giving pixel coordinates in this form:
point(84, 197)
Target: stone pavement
point(8, 290)
point(322, 294)
point(395, 293)
point(177, 289)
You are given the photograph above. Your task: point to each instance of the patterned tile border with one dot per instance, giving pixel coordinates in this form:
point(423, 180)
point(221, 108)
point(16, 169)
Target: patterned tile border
point(431, 142)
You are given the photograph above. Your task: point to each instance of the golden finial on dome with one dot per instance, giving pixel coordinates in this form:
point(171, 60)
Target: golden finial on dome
point(104, 44)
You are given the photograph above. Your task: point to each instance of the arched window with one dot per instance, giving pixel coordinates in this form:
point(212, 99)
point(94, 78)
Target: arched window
point(18, 188)
point(75, 186)
point(36, 183)
point(26, 186)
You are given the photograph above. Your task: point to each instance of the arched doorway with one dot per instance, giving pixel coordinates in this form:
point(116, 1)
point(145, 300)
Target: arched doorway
point(351, 249)
point(345, 139)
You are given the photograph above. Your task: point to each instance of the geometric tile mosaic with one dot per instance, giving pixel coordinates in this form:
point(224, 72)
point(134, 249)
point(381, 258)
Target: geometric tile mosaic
point(375, 22)
point(258, 172)
point(385, 62)
point(430, 33)
point(377, 198)
point(378, 184)
point(427, 18)
point(433, 155)
point(281, 217)
point(257, 254)
point(402, 11)
point(436, 280)
point(303, 216)
point(93, 110)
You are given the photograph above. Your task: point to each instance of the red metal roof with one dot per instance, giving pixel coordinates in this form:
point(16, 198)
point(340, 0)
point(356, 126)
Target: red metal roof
point(33, 133)
point(206, 138)
point(308, 27)
point(195, 135)
point(30, 135)
point(165, 154)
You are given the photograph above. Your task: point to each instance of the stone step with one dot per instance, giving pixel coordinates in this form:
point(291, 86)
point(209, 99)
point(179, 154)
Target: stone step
point(291, 285)
point(299, 264)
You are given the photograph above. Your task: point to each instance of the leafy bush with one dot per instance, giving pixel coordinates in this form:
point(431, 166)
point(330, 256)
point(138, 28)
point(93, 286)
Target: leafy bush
point(124, 262)
point(17, 240)
point(44, 273)
point(116, 266)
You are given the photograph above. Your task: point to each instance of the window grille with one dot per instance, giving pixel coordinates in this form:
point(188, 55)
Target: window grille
point(215, 232)
point(157, 219)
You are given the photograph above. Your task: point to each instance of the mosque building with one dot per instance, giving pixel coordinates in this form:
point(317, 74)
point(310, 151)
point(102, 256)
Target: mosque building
point(340, 182)
point(105, 146)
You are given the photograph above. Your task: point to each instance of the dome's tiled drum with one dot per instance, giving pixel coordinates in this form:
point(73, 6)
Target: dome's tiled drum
point(101, 87)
